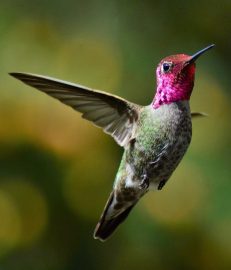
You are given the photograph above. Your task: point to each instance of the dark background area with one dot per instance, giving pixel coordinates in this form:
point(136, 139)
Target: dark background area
point(56, 169)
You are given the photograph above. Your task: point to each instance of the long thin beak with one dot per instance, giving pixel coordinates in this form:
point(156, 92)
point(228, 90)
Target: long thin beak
point(199, 53)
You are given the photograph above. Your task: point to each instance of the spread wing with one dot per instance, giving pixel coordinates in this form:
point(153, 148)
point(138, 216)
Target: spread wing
point(114, 115)
point(198, 114)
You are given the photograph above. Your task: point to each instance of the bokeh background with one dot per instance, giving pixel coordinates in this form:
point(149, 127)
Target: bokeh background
point(56, 169)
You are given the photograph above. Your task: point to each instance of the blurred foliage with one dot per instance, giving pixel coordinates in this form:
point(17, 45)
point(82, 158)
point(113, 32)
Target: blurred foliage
point(56, 170)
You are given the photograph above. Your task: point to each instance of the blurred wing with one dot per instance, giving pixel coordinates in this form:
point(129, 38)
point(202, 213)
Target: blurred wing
point(115, 115)
point(198, 114)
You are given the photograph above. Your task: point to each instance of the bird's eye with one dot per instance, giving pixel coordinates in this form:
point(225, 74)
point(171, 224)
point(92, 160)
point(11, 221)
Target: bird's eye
point(166, 67)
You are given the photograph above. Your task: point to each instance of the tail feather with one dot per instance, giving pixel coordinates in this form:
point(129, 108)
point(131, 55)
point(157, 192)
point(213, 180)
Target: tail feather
point(107, 225)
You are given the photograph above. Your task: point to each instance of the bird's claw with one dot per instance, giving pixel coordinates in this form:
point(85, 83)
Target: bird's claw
point(161, 184)
point(144, 182)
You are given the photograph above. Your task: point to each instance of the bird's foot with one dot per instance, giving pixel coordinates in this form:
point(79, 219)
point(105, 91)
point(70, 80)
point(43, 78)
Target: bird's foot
point(161, 184)
point(144, 182)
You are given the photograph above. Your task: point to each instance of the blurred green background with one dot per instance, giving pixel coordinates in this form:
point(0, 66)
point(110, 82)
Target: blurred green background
point(56, 170)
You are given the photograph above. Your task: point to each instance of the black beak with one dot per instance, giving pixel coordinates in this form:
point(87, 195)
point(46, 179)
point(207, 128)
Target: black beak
point(199, 53)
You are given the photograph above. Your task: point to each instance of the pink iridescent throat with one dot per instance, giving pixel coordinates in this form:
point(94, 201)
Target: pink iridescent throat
point(174, 86)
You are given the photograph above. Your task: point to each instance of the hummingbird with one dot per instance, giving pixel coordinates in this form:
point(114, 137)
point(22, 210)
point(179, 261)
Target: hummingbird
point(154, 137)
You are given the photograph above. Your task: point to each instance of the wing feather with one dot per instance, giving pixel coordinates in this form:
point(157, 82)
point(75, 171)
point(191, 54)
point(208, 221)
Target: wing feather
point(114, 115)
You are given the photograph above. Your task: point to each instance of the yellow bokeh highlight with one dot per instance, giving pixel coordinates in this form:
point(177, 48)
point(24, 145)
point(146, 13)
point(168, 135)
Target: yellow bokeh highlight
point(84, 186)
point(181, 198)
point(10, 224)
point(27, 212)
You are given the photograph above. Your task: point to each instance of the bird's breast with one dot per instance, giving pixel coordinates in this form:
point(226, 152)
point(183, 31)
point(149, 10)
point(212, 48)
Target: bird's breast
point(162, 139)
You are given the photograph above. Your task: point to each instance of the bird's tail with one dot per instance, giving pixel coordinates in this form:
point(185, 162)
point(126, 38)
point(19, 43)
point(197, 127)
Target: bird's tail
point(111, 218)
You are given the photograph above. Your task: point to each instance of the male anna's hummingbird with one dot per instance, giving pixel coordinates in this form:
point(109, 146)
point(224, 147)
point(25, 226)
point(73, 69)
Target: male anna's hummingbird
point(154, 137)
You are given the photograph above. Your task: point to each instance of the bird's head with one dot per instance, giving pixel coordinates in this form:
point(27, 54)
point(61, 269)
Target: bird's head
point(175, 78)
